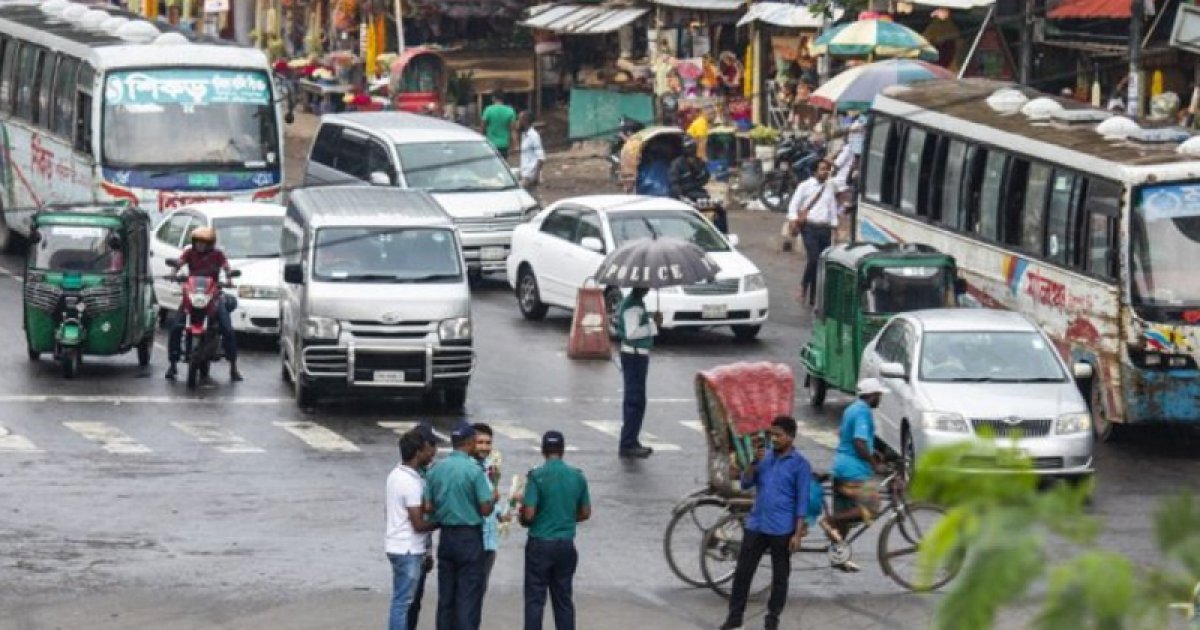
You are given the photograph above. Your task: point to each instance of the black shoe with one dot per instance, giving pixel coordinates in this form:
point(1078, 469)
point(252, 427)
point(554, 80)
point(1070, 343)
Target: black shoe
point(731, 626)
point(234, 375)
point(172, 372)
point(638, 452)
point(772, 623)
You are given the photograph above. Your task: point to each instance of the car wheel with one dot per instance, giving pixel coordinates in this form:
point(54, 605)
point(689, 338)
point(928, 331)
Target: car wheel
point(1103, 428)
point(908, 451)
point(529, 298)
point(746, 332)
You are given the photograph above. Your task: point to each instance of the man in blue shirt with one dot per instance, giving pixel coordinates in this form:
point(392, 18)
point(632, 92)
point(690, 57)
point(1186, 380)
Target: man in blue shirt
point(781, 480)
point(855, 464)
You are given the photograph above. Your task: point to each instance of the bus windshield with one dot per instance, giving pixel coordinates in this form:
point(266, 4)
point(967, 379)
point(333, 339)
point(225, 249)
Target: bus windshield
point(1165, 243)
point(212, 118)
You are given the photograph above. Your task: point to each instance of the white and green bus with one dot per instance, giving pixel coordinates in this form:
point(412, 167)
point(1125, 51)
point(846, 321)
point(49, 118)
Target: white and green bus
point(1089, 225)
point(98, 105)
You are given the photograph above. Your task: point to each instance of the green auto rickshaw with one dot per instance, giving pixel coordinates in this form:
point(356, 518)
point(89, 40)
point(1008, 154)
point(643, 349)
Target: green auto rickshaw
point(87, 286)
point(859, 287)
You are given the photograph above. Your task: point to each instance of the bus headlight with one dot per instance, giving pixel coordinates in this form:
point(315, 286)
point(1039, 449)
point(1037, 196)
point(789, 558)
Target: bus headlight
point(1073, 423)
point(457, 329)
point(321, 328)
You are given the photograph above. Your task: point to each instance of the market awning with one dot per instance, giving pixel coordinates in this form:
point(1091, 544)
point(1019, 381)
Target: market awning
point(1091, 10)
point(703, 5)
point(962, 5)
point(785, 15)
point(580, 19)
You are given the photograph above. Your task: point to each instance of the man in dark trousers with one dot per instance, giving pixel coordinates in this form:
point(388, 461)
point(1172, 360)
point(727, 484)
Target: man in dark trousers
point(458, 496)
point(556, 498)
point(780, 479)
point(407, 534)
point(636, 329)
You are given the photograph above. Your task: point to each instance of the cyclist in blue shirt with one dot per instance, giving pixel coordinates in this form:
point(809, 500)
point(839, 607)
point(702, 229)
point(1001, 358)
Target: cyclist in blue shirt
point(855, 464)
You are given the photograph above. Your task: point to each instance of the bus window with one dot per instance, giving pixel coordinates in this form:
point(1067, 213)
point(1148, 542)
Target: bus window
point(12, 50)
point(64, 97)
point(1012, 208)
point(891, 155)
point(989, 196)
point(1103, 205)
point(1058, 218)
point(1033, 221)
point(876, 165)
point(27, 89)
point(83, 109)
point(972, 188)
point(937, 173)
point(911, 173)
point(952, 207)
point(43, 113)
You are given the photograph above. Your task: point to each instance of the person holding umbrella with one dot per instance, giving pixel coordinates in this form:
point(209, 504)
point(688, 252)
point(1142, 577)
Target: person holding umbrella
point(636, 329)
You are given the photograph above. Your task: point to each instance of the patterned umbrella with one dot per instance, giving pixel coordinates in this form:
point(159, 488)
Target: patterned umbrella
point(856, 87)
point(654, 263)
point(874, 38)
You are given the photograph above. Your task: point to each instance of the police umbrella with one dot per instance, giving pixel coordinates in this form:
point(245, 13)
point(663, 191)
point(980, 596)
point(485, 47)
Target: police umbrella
point(654, 263)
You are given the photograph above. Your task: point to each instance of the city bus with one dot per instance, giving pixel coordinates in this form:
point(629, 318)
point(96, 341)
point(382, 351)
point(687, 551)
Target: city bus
point(1052, 210)
point(98, 105)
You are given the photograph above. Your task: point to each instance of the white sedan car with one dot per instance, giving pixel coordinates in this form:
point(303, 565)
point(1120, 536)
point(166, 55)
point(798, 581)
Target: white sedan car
point(249, 235)
point(560, 248)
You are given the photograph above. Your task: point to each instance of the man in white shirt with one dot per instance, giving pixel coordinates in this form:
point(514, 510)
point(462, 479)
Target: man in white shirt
point(813, 214)
point(533, 156)
point(843, 165)
point(407, 537)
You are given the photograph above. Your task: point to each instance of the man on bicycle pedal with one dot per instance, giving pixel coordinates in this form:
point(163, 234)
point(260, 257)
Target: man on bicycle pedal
point(855, 498)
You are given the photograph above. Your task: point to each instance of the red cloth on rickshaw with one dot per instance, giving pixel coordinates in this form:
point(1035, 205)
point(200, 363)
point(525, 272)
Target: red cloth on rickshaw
point(752, 394)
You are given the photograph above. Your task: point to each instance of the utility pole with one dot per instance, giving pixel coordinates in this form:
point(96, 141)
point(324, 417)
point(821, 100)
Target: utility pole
point(1137, 14)
point(1025, 73)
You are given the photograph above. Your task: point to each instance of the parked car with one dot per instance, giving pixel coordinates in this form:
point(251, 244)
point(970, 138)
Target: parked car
point(248, 233)
point(466, 176)
point(957, 374)
point(555, 253)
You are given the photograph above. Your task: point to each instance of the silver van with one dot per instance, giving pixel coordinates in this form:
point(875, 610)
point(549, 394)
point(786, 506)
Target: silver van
point(375, 297)
point(464, 173)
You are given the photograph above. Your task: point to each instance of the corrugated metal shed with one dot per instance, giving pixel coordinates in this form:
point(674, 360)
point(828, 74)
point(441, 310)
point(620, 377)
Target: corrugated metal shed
point(582, 19)
point(703, 5)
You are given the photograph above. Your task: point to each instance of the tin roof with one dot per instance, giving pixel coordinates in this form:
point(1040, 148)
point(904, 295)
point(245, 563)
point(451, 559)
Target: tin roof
point(582, 19)
point(1091, 10)
point(367, 206)
point(702, 5)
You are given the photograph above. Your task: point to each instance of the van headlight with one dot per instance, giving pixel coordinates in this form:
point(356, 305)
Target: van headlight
point(754, 282)
point(1073, 423)
point(457, 329)
point(321, 328)
point(944, 422)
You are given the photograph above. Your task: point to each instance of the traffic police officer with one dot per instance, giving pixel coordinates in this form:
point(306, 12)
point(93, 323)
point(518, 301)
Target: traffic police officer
point(637, 329)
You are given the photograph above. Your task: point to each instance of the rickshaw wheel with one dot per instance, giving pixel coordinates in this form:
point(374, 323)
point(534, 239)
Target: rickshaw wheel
point(144, 349)
point(817, 390)
point(71, 360)
point(719, 554)
point(694, 516)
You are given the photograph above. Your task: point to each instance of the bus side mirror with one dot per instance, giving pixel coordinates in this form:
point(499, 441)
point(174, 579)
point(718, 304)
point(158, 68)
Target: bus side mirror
point(960, 286)
point(293, 273)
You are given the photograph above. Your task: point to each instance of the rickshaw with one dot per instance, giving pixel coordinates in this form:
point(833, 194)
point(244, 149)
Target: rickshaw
point(87, 287)
point(737, 403)
point(859, 287)
point(417, 80)
point(646, 160)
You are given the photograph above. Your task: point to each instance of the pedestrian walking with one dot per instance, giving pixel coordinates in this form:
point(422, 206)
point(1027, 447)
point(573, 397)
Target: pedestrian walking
point(636, 329)
point(458, 496)
point(406, 540)
point(489, 459)
point(813, 214)
point(556, 499)
point(781, 478)
point(533, 155)
point(498, 123)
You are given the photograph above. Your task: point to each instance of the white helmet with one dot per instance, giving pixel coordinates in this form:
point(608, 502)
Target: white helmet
point(868, 386)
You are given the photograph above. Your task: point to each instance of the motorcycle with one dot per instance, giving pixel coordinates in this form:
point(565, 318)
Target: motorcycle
point(711, 209)
point(201, 298)
point(625, 128)
point(795, 161)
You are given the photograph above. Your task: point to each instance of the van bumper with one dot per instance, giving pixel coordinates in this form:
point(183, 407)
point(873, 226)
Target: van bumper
point(387, 368)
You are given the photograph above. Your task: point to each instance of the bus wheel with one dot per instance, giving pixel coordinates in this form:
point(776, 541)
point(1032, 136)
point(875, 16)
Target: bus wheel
point(10, 241)
point(1103, 428)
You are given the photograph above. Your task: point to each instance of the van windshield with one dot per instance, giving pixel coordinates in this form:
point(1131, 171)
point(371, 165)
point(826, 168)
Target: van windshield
point(465, 166)
point(404, 255)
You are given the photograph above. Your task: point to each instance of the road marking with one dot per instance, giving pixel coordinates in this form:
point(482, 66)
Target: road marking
point(136, 400)
point(404, 426)
point(820, 435)
point(318, 437)
point(212, 434)
point(520, 433)
point(15, 443)
point(108, 437)
point(613, 429)
point(694, 425)
point(8, 274)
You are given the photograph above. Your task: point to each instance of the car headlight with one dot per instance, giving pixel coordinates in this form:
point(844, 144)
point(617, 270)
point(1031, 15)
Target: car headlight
point(754, 282)
point(944, 422)
point(321, 328)
point(1073, 423)
point(458, 329)
point(252, 292)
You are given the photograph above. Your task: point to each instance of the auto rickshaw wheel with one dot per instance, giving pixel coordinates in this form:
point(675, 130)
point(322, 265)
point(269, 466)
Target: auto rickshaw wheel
point(34, 355)
point(71, 360)
point(817, 390)
point(144, 349)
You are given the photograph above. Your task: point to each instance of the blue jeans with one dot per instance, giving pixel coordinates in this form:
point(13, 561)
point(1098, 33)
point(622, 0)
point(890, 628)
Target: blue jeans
point(550, 565)
point(460, 578)
point(634, 370)
point(406, 573)
point(224, 320)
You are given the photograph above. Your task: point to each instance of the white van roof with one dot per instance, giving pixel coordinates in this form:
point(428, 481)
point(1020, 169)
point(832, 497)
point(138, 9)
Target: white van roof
point(406, 128)
point(375, 206)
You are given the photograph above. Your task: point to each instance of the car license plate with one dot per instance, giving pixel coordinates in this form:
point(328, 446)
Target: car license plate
point(714, 311)
point(390, 377)
point(491, 253)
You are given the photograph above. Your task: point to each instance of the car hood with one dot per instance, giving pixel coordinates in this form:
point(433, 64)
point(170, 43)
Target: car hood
point(1003, 400)
point(258, 272)
point(403, 302)
point(485, 203)
point(733, 264)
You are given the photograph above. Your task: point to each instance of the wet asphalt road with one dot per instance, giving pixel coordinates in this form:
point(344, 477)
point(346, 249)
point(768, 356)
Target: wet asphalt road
point(126, 501)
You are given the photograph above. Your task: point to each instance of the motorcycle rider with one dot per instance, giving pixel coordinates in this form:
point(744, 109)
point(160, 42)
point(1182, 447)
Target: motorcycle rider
point(204, 259)
point(688, 175)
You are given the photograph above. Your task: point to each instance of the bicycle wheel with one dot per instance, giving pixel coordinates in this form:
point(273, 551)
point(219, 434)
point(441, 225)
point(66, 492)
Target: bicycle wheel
point(719, 555)
point(900, 545)
point(685, 533)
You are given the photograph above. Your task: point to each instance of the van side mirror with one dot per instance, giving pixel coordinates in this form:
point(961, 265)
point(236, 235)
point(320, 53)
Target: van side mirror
point(592, 243)
point(1083, 371)
point(379, 178)
point(293, 273)
point(893, 370)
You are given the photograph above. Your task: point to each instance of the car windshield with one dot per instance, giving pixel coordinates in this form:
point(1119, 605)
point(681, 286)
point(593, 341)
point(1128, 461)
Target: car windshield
point(75, 248)
point(1164, 245)
point(680, 224)
point(386, 255)
point(1000, 357)
point(901, 289)
point(249, 237)
point(212, 118)
point(468, 166)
